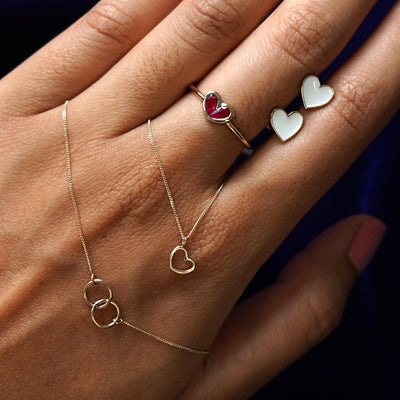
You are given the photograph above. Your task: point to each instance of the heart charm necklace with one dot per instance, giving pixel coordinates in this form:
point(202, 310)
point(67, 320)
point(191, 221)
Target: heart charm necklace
point(219, 108)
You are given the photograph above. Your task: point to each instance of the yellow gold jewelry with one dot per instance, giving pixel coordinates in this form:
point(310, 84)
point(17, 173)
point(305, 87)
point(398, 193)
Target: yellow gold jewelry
point(192, 264)
point(104, 302)
point(218, 112)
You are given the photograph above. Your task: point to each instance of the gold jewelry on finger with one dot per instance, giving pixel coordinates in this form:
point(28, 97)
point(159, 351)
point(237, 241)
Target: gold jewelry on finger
point(218, 112)
point(102, 302)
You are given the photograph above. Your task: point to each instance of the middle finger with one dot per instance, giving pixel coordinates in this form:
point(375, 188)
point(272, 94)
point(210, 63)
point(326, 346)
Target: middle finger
point(181, 49)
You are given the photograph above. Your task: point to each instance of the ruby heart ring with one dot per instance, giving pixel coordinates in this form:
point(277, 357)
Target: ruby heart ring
point(218, 112)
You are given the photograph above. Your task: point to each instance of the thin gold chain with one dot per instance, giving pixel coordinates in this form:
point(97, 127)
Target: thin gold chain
point(169, 193)
point(72, 191)
point(166, 341)
point(103, 302)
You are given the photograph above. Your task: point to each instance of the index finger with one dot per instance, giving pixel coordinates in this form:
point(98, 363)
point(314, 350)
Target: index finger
point(81, 54)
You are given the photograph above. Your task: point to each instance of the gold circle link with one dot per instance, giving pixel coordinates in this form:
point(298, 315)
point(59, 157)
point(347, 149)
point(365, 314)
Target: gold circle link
point(98, 282)
point(103, 303)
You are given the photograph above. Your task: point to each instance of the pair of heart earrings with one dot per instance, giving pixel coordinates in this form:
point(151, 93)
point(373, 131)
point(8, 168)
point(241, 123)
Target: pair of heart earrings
point(314, 95)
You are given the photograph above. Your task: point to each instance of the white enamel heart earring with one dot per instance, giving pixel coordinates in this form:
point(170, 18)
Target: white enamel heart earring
point(286, 125)
point(313, 94)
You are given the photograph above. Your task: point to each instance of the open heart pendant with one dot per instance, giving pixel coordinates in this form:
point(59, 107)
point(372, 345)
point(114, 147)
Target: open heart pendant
point(192, 264)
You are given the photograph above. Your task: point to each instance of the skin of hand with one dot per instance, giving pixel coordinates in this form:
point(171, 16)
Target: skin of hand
point(125, 62)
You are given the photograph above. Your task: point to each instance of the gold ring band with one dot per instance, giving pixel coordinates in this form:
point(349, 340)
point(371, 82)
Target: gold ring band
point(218, 112)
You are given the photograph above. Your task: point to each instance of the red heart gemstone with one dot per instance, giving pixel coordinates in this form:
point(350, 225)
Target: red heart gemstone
point(212, 109)
point(211, 103)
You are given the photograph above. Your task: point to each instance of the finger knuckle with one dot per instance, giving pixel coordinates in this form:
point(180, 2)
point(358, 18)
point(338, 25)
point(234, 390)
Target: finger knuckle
point(110, 23)
point(324, 315)
point(163, 60)
point(250, 108)
point(305, 34)
point(213, 19)
point(215, 237)
point(212, 238)
point(140, 196)
point(356, 100)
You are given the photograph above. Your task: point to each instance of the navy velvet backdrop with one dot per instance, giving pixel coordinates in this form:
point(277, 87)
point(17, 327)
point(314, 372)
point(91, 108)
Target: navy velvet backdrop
point(361, 359)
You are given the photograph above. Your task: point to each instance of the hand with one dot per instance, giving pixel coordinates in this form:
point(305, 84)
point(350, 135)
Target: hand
point(46, 330)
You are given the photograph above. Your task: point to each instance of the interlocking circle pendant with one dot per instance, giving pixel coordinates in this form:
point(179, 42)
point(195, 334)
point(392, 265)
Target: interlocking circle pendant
point(186, 259)
point(102, 304)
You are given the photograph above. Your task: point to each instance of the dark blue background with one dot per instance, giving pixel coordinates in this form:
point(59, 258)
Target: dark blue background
point(361, 359)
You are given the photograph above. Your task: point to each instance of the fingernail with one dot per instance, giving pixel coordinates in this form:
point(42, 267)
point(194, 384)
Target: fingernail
point(366, 242)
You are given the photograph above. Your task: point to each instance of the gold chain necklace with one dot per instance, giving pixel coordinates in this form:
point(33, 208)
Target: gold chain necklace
point(104, 302)
point(184, 237)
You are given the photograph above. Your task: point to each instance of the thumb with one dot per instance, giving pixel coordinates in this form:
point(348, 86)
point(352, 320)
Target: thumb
point(268, 332)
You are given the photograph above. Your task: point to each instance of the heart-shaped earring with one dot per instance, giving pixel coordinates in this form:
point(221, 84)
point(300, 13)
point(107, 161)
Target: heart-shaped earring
point(313, 94)
point(286, 125)
point(186, 259)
